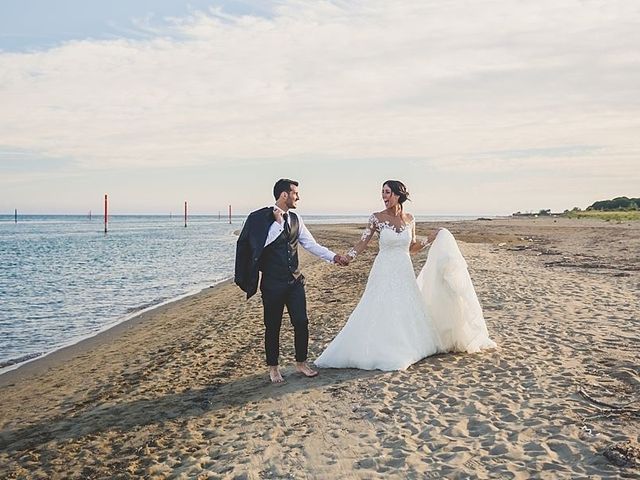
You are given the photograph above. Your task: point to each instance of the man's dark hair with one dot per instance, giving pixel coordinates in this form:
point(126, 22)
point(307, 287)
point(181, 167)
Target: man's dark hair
point(283, 185)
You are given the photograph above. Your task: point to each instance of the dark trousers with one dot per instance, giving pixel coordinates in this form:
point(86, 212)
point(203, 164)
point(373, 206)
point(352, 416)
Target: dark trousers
point(275, 295)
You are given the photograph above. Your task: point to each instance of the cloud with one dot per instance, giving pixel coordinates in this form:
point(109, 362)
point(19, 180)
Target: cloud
point(413, 79)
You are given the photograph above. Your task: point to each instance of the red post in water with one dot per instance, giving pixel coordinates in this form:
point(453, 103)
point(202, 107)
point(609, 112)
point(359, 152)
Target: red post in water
point(229, 214)
point(185, 214)
point(105, 213)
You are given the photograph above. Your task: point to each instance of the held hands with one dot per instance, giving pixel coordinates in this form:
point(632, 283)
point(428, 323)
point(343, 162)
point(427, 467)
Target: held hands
point(342, 260)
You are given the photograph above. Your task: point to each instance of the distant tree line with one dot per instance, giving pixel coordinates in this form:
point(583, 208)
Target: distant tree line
point(619, 203)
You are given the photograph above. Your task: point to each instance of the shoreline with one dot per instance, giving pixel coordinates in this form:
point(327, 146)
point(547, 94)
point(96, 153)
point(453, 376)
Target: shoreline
point(56, 356)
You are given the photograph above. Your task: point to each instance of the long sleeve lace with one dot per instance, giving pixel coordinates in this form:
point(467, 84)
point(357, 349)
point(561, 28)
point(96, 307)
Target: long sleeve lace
point(367, 235)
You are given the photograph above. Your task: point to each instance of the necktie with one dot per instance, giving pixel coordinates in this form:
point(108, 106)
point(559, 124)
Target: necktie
point(287, 228)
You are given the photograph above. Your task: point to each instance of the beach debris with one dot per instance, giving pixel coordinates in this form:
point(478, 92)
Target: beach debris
point(606, 409)
point(590, 398)
point(338, 391)
point(502, 244)
point(623, 454)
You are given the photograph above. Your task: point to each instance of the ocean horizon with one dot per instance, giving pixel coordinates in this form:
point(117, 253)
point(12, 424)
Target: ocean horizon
point(62, 279)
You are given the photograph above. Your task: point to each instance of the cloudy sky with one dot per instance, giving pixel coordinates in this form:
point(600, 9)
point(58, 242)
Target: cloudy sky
point(480, 107)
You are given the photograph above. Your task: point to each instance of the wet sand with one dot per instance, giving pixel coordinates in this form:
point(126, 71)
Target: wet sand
point(182, 392)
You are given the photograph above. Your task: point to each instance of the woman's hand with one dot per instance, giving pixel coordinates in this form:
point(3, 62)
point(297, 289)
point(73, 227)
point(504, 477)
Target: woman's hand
point(416, 247)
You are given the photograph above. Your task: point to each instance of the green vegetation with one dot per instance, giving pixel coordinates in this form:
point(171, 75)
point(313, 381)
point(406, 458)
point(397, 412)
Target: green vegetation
point(615, 216)
point(617, 204)
point(620, 209)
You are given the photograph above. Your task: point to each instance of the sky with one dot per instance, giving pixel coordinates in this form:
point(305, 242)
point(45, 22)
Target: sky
point(483, 107)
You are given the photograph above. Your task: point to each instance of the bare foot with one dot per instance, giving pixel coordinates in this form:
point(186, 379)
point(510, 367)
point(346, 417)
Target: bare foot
point(274, 374)
point(303, 368)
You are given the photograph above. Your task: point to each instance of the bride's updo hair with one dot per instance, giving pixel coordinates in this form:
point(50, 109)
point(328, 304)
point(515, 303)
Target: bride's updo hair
point(399, 189)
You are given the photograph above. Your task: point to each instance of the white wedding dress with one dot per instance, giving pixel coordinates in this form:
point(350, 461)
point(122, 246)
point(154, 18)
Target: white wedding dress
point(392, 326)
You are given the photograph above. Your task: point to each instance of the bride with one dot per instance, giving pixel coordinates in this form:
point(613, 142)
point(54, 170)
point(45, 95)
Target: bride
point(400, 320)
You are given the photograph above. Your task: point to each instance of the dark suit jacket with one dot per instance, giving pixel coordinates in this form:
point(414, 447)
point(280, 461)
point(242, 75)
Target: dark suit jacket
point(249, 248)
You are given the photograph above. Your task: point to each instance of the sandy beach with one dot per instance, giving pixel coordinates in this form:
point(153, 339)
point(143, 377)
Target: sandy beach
point(182, 391)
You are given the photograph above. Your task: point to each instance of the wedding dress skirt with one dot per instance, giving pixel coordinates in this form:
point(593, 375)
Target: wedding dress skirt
point(392, 327)
point(389, 328)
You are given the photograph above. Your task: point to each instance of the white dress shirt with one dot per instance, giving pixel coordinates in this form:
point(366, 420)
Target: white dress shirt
point(304, 237)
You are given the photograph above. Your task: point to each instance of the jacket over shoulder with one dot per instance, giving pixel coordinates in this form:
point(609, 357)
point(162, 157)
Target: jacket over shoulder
point(249, 248)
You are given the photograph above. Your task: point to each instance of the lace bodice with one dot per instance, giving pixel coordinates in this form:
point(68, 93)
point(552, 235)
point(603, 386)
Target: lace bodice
point(390, 236)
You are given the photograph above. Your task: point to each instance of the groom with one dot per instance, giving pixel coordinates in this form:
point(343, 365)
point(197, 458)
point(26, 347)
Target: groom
point(269, 243)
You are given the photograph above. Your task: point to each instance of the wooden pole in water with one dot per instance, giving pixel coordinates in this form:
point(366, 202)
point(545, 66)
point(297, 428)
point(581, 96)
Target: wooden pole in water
point(185, 214)
point(15, 216)
point(229, 214)
point(105, 213)
point(89, 214)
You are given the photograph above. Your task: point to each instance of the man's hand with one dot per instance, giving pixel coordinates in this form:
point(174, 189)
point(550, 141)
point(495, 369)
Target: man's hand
point(344, 260)
point(341, 260)
point(277, 214)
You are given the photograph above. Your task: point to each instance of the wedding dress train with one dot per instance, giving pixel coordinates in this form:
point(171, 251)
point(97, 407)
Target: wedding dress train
point(450, 298)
